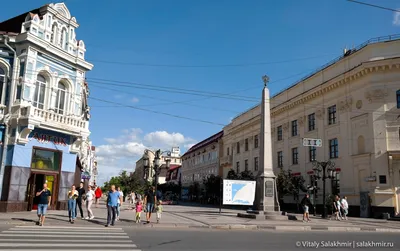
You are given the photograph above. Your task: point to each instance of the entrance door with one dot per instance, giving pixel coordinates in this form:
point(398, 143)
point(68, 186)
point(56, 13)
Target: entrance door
point(35, 184)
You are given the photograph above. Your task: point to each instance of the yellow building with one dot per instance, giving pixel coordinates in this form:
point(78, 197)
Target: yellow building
point(353, 105)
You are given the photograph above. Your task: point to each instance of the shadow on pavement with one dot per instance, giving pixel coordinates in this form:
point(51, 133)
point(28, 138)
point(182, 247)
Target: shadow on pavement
point(24, 220)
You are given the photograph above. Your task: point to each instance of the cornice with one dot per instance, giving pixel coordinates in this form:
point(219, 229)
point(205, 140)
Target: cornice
point(82, 64)
point(337, 82)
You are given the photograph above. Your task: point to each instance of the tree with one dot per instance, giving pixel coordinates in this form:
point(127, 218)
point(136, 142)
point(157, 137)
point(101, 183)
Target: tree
point(283, 184)
point(127, 183)
point(232, 175)
point(246, 175)
point(212, 186)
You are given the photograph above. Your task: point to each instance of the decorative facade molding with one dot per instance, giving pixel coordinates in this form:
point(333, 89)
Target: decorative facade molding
point(285, 126)
point(301, 120)
point(345, 104)
point(375, 94)
point(355, 74)
point(320, 112)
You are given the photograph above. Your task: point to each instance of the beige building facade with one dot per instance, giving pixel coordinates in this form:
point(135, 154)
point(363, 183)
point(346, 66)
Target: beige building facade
point(148, 174)
point(202, 160)
point(353, 105)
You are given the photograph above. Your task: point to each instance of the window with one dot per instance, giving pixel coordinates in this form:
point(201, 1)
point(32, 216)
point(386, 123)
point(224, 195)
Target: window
point(333, 149)
point(294, 128)
point(46, 160)
point(53, 38)
point(312, 153)
point(336, 184)
point(237, 147)
point(246, 144)
point(246, 164)
point(398, 99)
point(280, 159)
point(311, 122)
point(280, 133)
point(332, 115)
point(2, 79)
point(237, 167)
point(255, 163)
point(63, 39)
point(295, 156)
point(382, 179)
point(256, 141)
point(61, 96)
point(227, 151)
point(40, 88)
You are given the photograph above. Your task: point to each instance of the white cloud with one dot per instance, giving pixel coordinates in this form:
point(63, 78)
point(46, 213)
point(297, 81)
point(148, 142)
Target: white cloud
point(396, 18)
point(118, 96)
point(135, 100)
point(122, 152)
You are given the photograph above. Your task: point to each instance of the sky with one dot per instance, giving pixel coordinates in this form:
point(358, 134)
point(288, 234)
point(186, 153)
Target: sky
point(165, 72)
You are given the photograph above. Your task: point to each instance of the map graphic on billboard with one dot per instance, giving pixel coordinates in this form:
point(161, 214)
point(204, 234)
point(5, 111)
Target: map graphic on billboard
point(239, 192)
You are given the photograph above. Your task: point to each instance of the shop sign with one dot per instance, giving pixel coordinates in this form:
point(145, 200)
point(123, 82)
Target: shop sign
point(45, 138)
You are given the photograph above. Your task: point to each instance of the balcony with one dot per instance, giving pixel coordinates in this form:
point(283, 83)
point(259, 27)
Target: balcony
point(30, 115)
point(226, 160)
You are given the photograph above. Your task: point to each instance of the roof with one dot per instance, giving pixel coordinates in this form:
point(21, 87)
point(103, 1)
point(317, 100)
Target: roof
point(205, 142)
point(375, 40)
point(14, 24)
point(173, 167)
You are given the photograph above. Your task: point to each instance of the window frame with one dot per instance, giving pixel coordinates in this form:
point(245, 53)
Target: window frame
point(332, 115)
point(246, 165)
point(280, 158)
point(311, 122)
point(333, 148)
point(279, 130)
point(58, 99)
point(398, 98)
point(294, 128)
point(39, 84)
point(246, 144)
point(295, 156)
point(256, 163)
point(238, 147)
point(256, 143)
point(312, 153)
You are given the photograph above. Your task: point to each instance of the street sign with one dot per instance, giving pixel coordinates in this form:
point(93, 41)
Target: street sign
point(312, 142)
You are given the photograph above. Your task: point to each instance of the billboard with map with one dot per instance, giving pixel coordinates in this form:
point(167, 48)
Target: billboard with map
point(239, 192)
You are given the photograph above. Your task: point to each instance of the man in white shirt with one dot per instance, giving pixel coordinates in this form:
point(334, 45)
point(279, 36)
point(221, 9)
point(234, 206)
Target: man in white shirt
point(89, 201)
point(121, 196)
point(345, 207)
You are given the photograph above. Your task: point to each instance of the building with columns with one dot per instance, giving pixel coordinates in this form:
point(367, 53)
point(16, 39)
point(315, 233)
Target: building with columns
point(148, 175)
point(353, 105)
point(44, 109)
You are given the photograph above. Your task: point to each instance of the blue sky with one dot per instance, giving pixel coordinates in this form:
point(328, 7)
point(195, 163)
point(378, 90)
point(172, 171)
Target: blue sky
point(193, 45)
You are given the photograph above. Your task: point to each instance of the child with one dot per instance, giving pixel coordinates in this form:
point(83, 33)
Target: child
point(138, 211)
point(159, 210)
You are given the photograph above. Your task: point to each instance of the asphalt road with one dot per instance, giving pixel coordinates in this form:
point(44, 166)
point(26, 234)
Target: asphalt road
point(169, 239)
point(67, 238)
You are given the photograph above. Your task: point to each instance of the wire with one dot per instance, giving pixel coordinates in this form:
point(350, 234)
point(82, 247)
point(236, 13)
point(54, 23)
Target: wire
point(157, 112)
point(206, 66)
point(373, 5)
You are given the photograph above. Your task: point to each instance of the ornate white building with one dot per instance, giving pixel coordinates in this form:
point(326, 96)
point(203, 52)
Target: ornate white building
point(353, 105)
point(44, 108)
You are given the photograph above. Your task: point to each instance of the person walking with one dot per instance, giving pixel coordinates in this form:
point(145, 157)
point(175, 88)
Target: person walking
point(44, 203)
point(159, 210)
point(89, 201)
point(150, 200)
point(138, 211)
point(121, 198)
point(98, 193)
point(81, 192)
point(345, 207)
point(305, 203)
point(72, 196)
point(112, 202)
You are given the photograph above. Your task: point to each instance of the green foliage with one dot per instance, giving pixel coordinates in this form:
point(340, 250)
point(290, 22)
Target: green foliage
point(212, 185)
point(127, 182)
point(245, 175)
point(289, 184)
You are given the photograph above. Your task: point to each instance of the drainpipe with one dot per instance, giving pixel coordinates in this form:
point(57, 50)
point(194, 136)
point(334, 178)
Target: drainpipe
point(8, 116)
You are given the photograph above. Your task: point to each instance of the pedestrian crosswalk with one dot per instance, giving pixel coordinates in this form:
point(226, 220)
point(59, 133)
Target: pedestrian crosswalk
point(65, 238)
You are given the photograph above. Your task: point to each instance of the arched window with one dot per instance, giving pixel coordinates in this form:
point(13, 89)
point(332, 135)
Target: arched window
point(2, 79)
point(63, 39)
point(53, 38)
point(61, 96)
point(398, 99)
point(40, 89)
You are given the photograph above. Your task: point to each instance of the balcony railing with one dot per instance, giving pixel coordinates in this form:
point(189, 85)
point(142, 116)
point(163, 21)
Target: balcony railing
point(226, 160)
point(52, 119)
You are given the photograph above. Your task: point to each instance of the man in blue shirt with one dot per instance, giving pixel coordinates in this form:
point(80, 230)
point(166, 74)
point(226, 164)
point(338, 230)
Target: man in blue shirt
point(112, 202)
point(44, 202)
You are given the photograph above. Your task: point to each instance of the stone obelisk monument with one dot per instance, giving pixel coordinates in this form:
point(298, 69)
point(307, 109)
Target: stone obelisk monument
point(266, 201)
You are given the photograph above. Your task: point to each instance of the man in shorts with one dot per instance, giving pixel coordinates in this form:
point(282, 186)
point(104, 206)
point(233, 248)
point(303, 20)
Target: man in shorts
point(44, 202)
point(150, 201)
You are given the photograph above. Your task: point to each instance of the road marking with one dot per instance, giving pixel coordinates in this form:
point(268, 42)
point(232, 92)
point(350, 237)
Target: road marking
point(65, 227)
point(42, 229)
point(70, 244)
point(38, 234)
point(74, 232)
point(59, 240)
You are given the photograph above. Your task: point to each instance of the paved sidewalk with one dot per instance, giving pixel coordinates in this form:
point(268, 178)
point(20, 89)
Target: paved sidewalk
point(178, 216)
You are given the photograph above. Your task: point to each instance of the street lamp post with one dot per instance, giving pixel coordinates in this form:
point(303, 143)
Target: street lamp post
point(156, 163)
point(322, 167)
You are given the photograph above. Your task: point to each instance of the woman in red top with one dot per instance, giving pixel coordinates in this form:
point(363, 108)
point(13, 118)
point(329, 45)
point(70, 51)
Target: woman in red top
point(98, 193)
